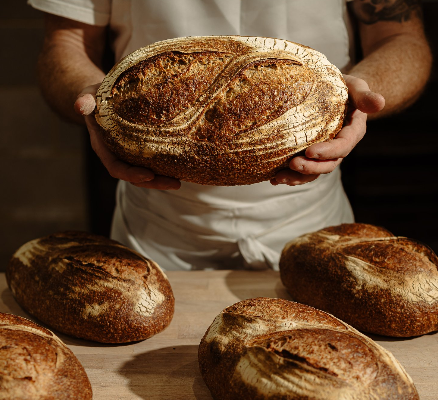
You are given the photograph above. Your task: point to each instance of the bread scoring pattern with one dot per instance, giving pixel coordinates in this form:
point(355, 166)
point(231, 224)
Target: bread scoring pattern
point(268, 348)
point(220, 110)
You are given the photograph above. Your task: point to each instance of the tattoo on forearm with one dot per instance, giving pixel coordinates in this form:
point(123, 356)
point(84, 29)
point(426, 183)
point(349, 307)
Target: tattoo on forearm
point(372, 11)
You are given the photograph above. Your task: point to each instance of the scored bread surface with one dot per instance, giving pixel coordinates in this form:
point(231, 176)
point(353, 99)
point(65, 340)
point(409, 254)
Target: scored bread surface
point(91, 287)
point(363, 274)
point(267, 348)
point(220, 110)
point(36, 365)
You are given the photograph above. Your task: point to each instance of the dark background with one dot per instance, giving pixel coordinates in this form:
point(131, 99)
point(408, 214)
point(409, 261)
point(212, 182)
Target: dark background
point(50, 180)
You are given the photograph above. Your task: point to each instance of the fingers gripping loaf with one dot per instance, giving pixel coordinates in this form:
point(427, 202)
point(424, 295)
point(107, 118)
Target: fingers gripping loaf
point(91, 287)
point(36, 365)
point(220, 110)
point(366, 276)
point(267, 348)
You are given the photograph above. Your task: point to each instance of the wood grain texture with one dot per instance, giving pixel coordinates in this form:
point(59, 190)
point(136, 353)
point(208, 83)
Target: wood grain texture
point(166, 367)
point(220, 110)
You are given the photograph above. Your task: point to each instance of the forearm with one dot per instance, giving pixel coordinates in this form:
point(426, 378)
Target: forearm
point(61, 81)
point(398, 69)
point(69, 62)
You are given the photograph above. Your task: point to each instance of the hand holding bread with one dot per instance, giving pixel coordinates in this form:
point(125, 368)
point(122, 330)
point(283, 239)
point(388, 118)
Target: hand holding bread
point(141, 177)
point(324, 157)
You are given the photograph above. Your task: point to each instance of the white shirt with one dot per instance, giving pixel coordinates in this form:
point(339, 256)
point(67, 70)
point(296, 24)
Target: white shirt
point(322, 25)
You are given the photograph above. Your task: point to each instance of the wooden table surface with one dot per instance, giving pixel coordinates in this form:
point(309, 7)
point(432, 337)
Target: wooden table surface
point(166, 367)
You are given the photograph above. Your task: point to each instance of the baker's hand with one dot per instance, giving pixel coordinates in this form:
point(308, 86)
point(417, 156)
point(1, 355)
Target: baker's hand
point(322, 158)
point(138, 176)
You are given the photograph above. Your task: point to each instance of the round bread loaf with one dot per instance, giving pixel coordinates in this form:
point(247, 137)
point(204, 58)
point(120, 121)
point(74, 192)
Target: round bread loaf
point(36, 365)
point(220, 110)
point(91, 287)
point(266, 348)
point(366, 276)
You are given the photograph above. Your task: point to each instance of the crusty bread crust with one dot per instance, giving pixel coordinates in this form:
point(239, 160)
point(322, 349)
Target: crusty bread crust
point(363, 274)
point(220, 110)
point(36, 365)
point(91, 287)
point(266, 348)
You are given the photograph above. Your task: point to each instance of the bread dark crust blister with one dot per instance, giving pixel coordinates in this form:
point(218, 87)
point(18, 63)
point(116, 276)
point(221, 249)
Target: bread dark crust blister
point(91, 287)
point(36, 365)
point(363, 274)
point(266, 348)
point(220, 110)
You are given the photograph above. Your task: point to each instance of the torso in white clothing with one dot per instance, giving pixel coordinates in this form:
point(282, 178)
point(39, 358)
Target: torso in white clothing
point(203, 226)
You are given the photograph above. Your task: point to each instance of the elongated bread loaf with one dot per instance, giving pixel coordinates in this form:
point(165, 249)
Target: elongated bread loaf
point(363, 274)
point(220, 110)
point(91, 287)
point(36, 365)
point(264, 348)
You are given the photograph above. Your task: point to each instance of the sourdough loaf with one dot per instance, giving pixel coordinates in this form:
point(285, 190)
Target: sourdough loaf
point(91, 287)
point(220, 110)
point(268, 348)
point(36, 365)
point(363, 274)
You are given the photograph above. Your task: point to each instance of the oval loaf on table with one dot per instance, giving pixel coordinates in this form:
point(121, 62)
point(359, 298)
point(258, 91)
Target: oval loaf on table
point(264, 348)
point(36, 365)
point(363, 274)
point(91, 287)
point(220, 110)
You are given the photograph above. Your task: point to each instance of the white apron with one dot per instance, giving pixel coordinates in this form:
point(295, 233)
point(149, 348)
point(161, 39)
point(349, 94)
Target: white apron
point(181, 231)
point(205, 227)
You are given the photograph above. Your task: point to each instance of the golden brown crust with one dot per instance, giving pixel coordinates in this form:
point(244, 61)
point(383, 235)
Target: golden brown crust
point(36, 365)
point(91, 287)
point(220, 110)
point(268, 348)
point(366, 276)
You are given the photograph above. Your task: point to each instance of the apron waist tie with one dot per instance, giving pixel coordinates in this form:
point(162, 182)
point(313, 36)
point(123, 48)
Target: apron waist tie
point(257, 256)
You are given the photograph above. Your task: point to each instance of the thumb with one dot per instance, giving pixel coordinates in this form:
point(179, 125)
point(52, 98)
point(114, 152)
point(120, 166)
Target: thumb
point(369, 102)
point(86, 102)
point(361, 97)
